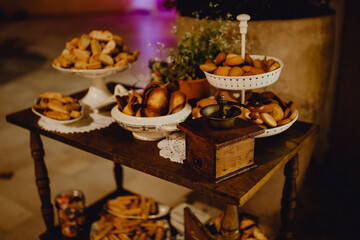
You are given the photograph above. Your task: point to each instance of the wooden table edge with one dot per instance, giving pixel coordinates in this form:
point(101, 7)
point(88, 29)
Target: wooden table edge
point(311, 133)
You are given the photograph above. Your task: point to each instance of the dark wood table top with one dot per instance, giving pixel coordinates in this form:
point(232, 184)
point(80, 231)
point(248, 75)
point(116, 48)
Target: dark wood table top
point(117, 144)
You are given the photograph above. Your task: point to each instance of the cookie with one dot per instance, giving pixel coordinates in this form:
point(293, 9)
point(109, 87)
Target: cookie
point(57, 115)
point(268, 119)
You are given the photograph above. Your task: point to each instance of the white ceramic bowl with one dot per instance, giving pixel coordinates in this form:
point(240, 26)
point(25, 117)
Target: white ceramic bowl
point(150, 128)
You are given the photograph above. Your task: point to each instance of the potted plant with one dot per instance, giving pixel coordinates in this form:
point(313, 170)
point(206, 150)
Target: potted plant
point(201, 42)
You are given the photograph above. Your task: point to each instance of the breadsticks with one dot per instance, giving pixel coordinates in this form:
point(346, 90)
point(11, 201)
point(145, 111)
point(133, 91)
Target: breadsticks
point(133, 206)
point(111, 227)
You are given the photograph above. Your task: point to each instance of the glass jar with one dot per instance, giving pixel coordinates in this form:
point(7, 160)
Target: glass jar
point(70, 206)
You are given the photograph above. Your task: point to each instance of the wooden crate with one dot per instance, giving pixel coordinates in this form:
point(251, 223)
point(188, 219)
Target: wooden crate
point(220, 154)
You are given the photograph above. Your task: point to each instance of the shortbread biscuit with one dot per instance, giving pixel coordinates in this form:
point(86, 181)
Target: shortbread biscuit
point(57, 115)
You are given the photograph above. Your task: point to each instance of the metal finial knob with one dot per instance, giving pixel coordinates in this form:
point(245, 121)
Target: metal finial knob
point(243, 17)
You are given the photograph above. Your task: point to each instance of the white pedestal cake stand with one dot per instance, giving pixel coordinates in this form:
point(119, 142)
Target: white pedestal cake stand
point(98, 92)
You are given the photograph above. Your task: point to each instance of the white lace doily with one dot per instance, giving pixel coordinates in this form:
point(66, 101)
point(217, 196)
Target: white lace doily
point(92, 120)
point(173, 147)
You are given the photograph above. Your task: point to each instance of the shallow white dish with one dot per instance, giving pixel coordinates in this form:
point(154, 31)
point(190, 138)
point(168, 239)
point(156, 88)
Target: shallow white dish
point(51, 120)
point(150, 128)
point(246, 82)
point(276, 130)
point(163, 210)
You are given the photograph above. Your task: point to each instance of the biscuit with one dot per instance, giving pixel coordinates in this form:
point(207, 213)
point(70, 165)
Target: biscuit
point(101, 35)
point(94, 65)
point(83, 55)
point(293, 115)
point(258, 63)
point(236, 71)
point(235, 60)
point(84, 42)
point(222, 71)
point(57, 106)
point(51, 95)
point(248, 60)
point(247, 68)
point(109, 47)
point(220, 58)
point(273, 66)
point(106, 59)
point(75, 114)
point(268, 119)
point(95, 47)
point(57, 115)
point(277, 112)
point(284, 121)
point(208, 67)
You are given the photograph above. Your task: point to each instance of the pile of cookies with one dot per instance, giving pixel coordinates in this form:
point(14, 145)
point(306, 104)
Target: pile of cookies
point(234, 65)
point(96, 50)
point(57, 106)
point(265, 109)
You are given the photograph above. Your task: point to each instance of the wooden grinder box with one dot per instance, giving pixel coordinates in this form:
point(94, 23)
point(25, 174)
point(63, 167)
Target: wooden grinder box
point(220, 154)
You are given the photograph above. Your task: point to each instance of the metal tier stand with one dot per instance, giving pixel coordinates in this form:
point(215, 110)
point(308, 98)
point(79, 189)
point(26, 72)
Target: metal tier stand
point(245, 82)
point(243, 19)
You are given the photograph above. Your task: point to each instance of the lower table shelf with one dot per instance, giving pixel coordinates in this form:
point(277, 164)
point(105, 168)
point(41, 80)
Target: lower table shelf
point(92, 213)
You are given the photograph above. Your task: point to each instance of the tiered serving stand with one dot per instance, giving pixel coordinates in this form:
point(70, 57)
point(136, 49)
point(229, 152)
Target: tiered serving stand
point(242, 83)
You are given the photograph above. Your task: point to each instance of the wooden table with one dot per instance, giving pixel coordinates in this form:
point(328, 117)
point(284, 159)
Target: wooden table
point(119, 146)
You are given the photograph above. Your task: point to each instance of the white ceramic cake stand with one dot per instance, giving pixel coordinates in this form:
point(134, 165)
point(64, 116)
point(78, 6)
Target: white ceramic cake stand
point(98, 92)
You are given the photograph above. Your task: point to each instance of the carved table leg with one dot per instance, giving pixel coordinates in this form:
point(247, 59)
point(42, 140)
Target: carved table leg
point(42, 180)
point(288, 202)
point(118, 173)
point(230, 223)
